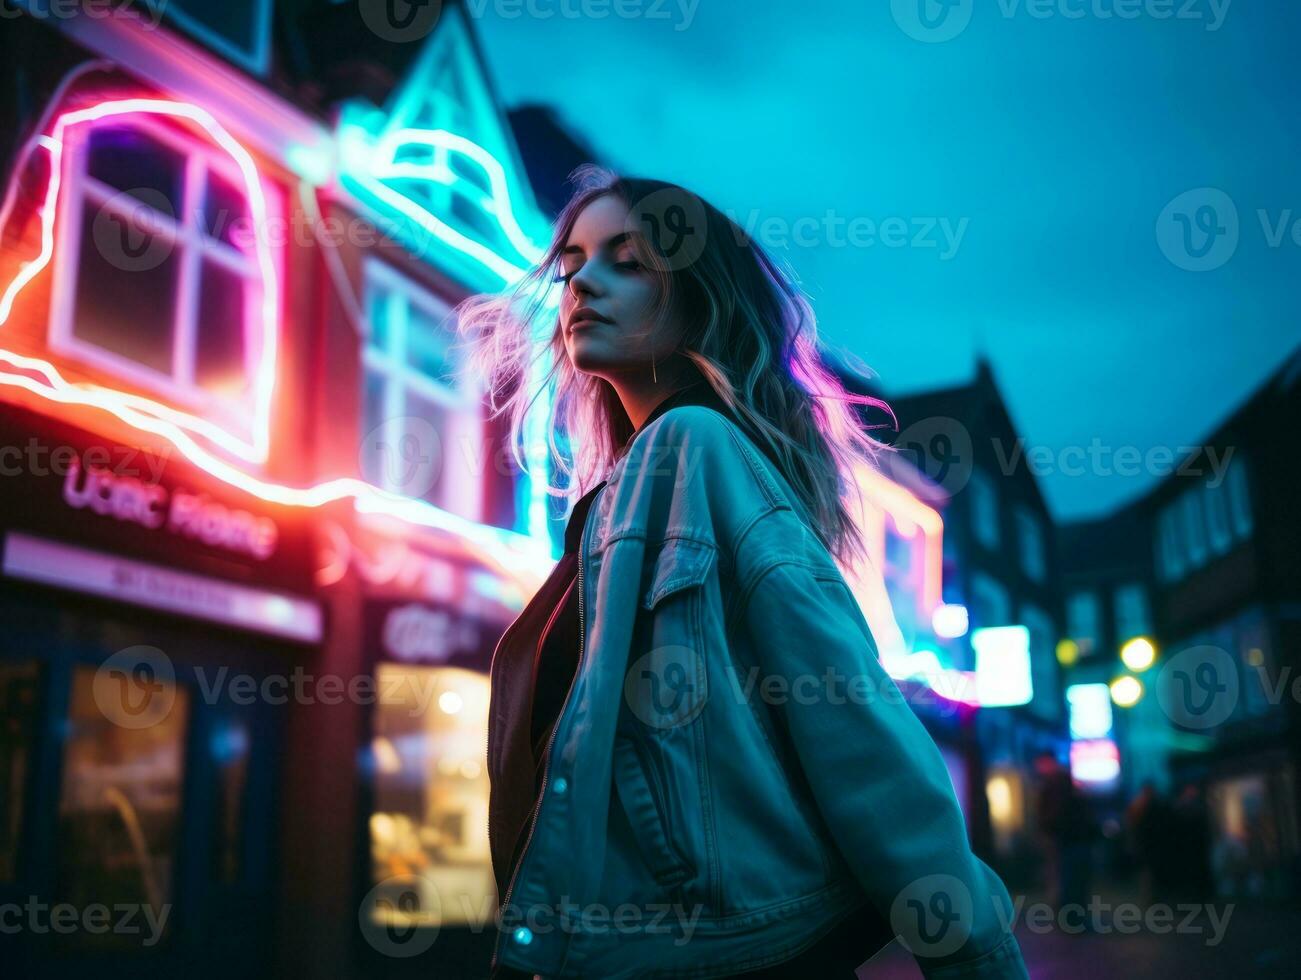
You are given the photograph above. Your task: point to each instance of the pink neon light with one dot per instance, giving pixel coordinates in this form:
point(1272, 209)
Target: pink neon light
point(265, 376)
point(511, 554)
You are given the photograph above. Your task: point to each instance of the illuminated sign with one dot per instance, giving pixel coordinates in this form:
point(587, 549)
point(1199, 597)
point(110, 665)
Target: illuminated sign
point(151, 586)
point(190, 515)
point(1002, 666)
point(458, 194)
point(1090, 707)
point(1095, 762)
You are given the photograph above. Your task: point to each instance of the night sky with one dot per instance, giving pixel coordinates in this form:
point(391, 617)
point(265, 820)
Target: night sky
point(1028, 157)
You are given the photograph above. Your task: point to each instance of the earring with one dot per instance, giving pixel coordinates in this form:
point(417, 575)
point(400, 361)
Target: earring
point(654, 378)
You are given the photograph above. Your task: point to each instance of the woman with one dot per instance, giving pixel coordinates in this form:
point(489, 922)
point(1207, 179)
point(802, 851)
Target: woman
point(698, 765)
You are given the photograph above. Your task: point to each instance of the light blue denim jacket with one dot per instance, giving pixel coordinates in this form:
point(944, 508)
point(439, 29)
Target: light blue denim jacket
point(733, 773)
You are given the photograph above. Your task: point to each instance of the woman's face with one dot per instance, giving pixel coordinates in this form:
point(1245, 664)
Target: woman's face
point(607, 311)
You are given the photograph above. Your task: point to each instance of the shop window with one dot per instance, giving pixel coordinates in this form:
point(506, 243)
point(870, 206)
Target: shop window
point(157, 280)
point(428, 831)
point(422, 424)
point(18, 721)
point(1131, 610)
point(239, 30)
point(120, 798)
point(1030, 544)
point(984, 508)
point(1082, 621)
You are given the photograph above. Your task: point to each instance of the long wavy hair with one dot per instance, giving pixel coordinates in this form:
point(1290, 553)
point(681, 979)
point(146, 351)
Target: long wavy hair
point(747, 328)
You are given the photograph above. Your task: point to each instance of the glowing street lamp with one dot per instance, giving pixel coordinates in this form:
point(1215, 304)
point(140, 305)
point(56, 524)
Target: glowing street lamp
point(1126, 691)
point(1138, 654)
point(1068, 653)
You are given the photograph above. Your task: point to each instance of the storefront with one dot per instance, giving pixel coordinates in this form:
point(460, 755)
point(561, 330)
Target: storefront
point(152, 617)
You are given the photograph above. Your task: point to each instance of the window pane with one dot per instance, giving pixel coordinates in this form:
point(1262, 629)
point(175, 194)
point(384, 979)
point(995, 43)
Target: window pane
point(1082, 621)
point(219, 345)
point(119, 805)
point(428, 834)
point(225, 214)
point(129, 160)
point(1239, 500)
point(18, 705)
point(428, 341)
point(1131, 612)
point(1194, 529)
point(1217, 517)
point(984, 508)
point(125, 299)
point(427, 466)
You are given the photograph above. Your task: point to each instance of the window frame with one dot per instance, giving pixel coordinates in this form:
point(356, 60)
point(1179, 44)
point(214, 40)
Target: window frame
point(984, 504)
point(399, 376)
point(192, 245)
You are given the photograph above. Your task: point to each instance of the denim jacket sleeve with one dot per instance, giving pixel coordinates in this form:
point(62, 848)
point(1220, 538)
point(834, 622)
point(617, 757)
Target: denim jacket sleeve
point(876, 775)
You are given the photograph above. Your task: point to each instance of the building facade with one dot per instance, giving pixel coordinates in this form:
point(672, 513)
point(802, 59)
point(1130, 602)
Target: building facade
point(260, 532)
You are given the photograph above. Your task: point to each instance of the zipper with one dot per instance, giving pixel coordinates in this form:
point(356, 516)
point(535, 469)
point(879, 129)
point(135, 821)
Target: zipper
point(546, 765)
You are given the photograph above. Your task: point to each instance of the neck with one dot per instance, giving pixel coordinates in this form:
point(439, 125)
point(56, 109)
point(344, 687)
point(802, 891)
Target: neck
point(640, 394)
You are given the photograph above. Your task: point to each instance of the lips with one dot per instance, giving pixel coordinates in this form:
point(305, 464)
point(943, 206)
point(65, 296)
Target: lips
point(585, 316)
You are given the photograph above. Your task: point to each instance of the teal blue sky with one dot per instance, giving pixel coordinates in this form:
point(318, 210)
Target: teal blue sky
point(1048, 144)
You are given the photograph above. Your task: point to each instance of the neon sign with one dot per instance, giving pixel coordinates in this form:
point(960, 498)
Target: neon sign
point(1002, 666)
point(511, 553)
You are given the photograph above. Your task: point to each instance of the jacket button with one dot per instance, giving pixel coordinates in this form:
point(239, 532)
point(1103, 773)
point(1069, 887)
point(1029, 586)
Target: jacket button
point(560, 785)
point(523, 935)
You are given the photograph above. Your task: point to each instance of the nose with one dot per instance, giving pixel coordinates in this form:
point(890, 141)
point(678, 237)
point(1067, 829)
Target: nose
point(584, 283)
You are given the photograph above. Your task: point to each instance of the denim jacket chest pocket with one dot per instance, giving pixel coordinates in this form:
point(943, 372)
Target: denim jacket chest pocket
point(660, 770)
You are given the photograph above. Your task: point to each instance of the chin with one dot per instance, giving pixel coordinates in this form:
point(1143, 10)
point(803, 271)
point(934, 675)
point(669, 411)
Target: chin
point(592, 358)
